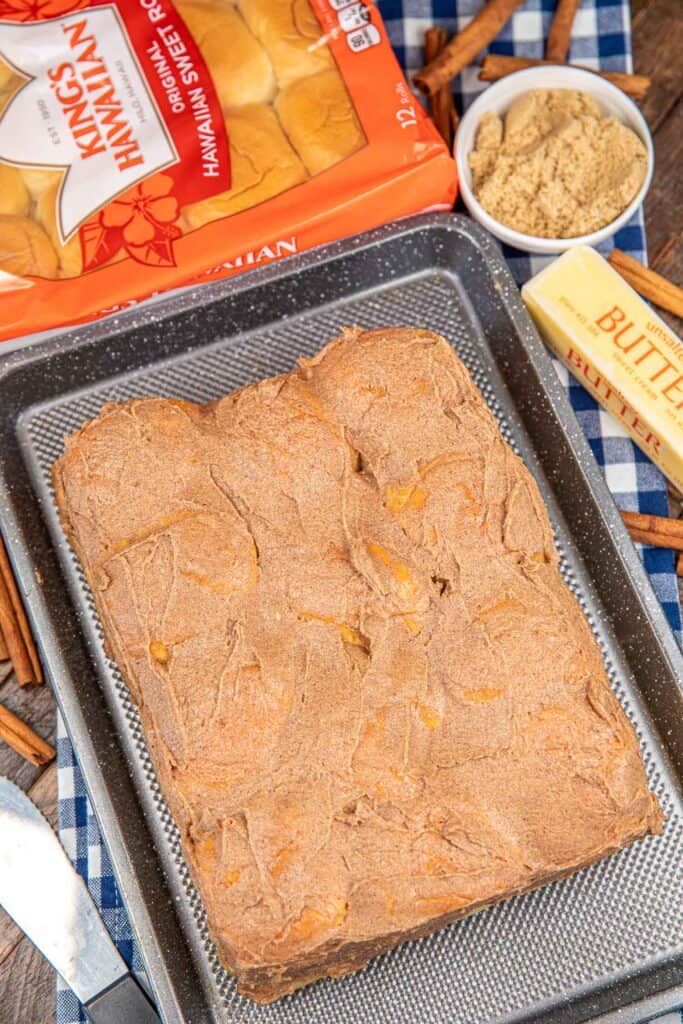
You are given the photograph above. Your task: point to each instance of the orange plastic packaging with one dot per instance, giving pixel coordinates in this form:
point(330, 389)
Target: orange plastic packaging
point(148, 144)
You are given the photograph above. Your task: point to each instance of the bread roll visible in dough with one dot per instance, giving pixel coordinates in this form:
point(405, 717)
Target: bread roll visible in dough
point(69, 255)
point(238, 64)
point(345, 665)
point(263, 164)
point(25, 249)
point(288, 29)
point(14, 197)
point(318, 116)
point(37, 179)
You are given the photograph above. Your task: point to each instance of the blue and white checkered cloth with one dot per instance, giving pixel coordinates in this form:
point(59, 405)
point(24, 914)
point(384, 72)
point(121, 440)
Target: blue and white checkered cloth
point(601, 39)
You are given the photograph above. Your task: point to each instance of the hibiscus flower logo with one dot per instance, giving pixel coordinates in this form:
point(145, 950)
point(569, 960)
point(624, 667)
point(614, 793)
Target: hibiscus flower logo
point(141, 221)
point(38, 10)
point(144, 211)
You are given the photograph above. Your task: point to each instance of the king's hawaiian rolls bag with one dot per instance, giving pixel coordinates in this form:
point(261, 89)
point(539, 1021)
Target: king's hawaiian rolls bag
point(149, 144)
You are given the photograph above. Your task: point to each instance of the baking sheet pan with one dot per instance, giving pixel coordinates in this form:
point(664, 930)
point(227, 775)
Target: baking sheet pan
point(606, 944)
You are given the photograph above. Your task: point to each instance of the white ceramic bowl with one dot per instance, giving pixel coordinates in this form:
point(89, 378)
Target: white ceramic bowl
point(499, 96)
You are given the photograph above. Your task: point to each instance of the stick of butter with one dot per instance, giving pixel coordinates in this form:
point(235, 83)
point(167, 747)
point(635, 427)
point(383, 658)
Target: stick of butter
point(621, 351)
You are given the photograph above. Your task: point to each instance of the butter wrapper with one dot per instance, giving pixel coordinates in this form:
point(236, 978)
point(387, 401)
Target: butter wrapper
point(617, 347)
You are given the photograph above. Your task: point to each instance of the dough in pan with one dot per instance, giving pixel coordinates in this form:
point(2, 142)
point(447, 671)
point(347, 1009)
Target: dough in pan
point(372, 702)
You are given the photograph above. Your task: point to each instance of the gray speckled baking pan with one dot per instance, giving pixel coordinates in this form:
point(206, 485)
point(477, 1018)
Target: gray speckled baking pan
point(605, 945)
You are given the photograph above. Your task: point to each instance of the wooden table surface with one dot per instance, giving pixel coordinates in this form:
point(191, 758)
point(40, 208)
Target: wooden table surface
point(27, 982)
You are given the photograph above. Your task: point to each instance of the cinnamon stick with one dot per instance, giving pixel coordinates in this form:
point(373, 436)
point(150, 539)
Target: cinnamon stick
point(15, 627)
point(496, 66)
point(464, 47)
point(13, 637)
point(653, 286)
point(679, 564)
point(4, 653)
point(560, 33)
point(20, 737)
point(659, 531)
point(441, 105)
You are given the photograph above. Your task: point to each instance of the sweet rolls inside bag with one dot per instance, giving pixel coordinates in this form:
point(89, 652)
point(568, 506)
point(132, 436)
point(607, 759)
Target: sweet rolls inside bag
point(131, 131)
